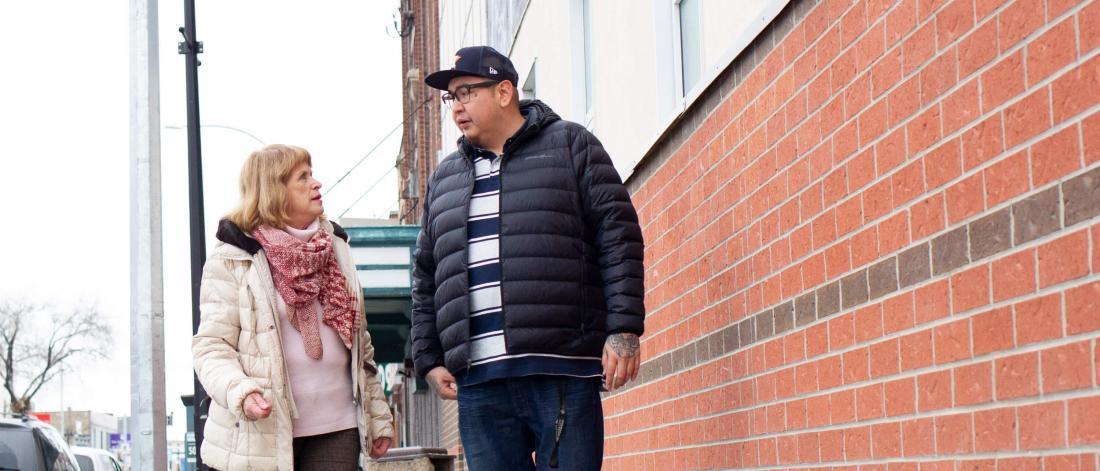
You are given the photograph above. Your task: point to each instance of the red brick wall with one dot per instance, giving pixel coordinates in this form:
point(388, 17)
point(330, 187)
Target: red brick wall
point(877, 247)
point(420, 139)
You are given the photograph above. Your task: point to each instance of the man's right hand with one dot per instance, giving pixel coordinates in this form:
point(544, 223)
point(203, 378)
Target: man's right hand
point(443, 383)
point(256, 407)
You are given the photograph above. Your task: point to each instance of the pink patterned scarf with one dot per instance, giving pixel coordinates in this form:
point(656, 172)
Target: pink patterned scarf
point(303, 272)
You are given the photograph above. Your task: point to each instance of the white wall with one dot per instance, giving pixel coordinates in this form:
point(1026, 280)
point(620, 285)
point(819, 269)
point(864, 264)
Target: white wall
point(624, 70)
point(634, 47)
point(381, 255)
point(461, 24)
point(623, 66)
point(544, 38)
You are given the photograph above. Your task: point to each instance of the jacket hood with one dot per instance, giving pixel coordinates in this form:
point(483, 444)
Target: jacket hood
point(229, 233)
point(536, 117)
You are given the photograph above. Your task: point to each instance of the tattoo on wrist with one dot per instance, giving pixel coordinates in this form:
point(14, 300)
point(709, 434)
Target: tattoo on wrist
point(624, 345)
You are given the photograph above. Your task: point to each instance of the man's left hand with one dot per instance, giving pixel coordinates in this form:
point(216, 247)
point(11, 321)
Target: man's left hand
point(621, 359)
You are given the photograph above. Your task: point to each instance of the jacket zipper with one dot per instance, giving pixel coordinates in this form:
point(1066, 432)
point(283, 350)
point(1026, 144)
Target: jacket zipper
point(355, 358)
point(288, 395)
point(500, 245)
point(466, 237)
point(584, 282)
point(584, 257)
point(500, 240)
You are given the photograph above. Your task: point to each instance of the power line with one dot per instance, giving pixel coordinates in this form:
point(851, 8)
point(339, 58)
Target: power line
point(376, 146)
point(371, 187)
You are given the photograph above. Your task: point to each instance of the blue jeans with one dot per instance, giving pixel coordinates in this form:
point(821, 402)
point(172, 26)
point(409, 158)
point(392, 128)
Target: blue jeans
point(503, 421)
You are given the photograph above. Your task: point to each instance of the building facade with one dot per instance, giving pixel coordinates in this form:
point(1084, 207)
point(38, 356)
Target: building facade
point(85, 428)
point(420, 138)
point(870, 225)
point(881, 246)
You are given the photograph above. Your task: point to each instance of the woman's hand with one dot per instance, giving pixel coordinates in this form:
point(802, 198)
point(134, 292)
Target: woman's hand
point(379, 447)
point(256, 407)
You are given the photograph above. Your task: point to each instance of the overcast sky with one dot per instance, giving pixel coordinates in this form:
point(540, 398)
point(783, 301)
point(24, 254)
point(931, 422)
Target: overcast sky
point(323, 75)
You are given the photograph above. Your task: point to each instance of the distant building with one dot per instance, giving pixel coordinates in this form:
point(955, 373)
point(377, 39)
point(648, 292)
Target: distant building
point(420, 141)
point(120, 442)
point(85, 428)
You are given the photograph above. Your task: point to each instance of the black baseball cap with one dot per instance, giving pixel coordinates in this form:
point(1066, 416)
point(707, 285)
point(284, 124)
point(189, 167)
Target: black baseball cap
point(479, 61)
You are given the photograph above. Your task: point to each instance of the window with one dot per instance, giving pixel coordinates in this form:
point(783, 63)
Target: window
point(17, 448)
point(696, 40)
point(582, 102)
point(85, 463)
point(55, 451)
point(690, 28)
point(412, 182)
point(587, 18)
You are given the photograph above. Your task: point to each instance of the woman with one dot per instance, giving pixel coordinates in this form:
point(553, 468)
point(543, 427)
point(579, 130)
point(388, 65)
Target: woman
point(282, 347)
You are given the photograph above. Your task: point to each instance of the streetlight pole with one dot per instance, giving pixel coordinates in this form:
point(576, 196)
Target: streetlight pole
point(191, 48)
point(147, 421)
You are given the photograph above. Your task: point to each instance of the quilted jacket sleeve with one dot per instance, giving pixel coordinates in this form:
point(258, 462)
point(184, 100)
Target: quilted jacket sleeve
point(374, 398)
point(610, 214)
point(214, 346)
point(426, 349)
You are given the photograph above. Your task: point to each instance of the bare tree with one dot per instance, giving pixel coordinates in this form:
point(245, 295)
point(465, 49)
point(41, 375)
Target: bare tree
point(32, 351)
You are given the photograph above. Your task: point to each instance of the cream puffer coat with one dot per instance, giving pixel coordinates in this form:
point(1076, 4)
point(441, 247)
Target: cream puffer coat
point(238, 351)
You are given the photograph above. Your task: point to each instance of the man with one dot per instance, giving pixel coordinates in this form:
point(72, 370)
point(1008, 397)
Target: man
point(528, 276)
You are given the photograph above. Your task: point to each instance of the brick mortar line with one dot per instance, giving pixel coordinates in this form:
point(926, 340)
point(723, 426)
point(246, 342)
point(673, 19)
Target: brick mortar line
point(1084, 225)
point(1069, 122)
point(931, 17)
point(1064, 396)
point(1007, 204)
point(780, 107)
point(931, 325)
point(996, 456)
point(946, 138)
point(721, 100)
point(991, 16)
point(1041, 136)
point(757, 63)
point(977, 169)
point(1008, 302)
point(1023, 43)
point(993, 403)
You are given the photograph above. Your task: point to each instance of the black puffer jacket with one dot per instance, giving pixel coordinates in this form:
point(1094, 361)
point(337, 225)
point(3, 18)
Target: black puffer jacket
point(570, 247)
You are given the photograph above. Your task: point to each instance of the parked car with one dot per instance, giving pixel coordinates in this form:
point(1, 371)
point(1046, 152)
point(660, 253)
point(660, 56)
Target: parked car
point(26, 444)
point(95, 459)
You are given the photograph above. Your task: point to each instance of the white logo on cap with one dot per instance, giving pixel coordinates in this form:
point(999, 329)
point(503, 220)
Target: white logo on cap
point(492, 71)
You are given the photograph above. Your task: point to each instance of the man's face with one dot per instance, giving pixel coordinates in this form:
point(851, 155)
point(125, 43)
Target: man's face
point(480, 113)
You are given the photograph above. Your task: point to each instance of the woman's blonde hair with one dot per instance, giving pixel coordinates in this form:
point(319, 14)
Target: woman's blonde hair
point(263, 186)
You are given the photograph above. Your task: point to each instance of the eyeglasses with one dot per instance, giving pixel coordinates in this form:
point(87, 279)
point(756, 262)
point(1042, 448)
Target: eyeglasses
point(462, 92)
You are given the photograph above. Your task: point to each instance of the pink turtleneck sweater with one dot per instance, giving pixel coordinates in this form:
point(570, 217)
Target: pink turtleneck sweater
point(322, 388)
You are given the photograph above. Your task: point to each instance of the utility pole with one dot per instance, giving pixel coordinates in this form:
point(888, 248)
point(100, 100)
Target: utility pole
point(191, 47)
point(147, 405)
